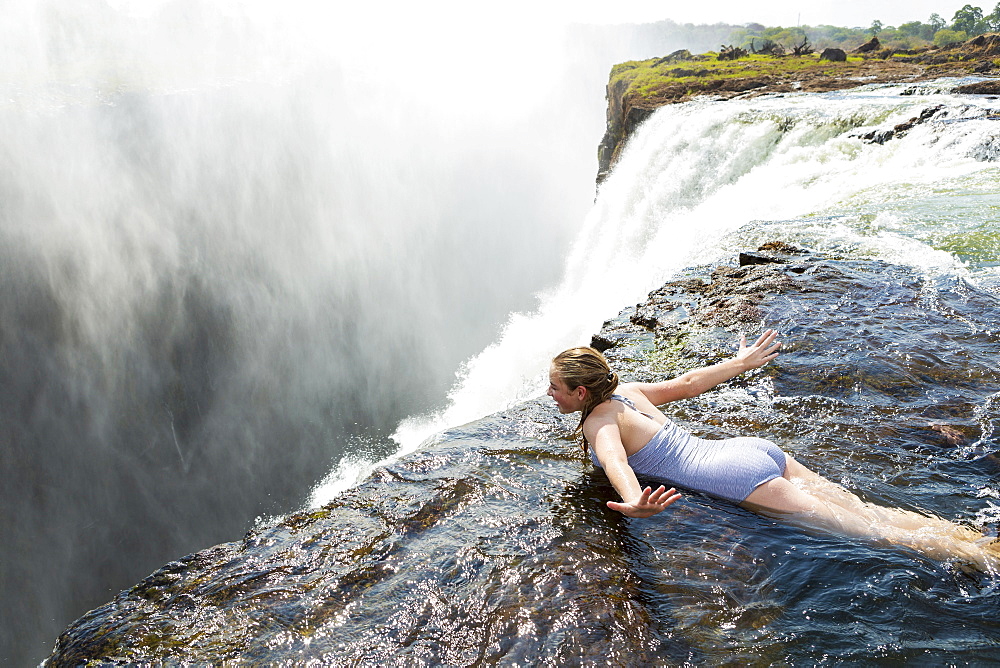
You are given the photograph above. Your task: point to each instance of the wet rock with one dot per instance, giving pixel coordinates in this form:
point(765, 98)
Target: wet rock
point(730, 297)
point(781, 247)
point(493, 543)
point(952, 436)
point(608, 337)
point(756, 258)
point(985, 87)
point(882, 136)
point(650, 315)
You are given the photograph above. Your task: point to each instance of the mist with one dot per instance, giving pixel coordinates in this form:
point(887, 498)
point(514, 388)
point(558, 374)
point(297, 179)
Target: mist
point(237, 246)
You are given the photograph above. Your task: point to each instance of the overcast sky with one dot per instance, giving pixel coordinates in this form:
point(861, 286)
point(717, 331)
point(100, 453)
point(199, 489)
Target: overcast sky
point(773, 13)
point(432, 24)
point(785, 13)
point(478, 42)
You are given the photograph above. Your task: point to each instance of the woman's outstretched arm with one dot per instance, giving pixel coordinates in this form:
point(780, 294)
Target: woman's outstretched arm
point(697, 381)
point(636, 502)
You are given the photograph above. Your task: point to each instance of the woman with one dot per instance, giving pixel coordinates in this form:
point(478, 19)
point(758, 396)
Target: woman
point(626, 435)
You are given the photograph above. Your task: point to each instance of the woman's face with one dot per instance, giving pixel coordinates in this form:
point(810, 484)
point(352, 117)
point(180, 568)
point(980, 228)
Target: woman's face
point(568, 401)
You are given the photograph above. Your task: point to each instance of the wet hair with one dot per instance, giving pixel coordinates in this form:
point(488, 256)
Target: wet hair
point(587, 367)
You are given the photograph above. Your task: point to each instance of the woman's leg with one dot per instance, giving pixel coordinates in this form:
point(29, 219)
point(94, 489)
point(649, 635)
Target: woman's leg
point(782, 498)
point(818, 486)
point(820, 503)
point(812, 493)
point(829, 491)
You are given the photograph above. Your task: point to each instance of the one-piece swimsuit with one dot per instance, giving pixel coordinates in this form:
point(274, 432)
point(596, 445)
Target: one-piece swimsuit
point(729, 468)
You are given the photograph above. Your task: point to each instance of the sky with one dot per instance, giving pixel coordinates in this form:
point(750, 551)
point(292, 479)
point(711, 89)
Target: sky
point(427, 26)
point(785, 13)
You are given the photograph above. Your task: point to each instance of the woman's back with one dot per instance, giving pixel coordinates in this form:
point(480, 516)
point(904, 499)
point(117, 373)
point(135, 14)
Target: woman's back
point(638, 420)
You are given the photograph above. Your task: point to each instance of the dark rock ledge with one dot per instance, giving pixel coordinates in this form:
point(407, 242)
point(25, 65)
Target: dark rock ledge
point(503, 495)
point(728, 297)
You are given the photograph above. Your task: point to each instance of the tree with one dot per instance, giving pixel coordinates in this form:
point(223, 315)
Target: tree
point(969, 20)
point(876, 27)
point(992, 20)
point(924, 31)
point(936, 22)
point(944, 37)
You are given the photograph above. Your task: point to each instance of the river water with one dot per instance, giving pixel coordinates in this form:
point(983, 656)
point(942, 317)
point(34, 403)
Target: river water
point(483, 537)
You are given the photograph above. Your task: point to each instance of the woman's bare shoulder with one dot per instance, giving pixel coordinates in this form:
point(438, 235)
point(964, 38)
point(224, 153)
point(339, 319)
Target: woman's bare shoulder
point(603, 415)
point(636, 392)
point(633, 391)
point(605, 409)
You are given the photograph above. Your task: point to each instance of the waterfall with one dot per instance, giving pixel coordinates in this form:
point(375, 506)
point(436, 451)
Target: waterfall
point(696, 173)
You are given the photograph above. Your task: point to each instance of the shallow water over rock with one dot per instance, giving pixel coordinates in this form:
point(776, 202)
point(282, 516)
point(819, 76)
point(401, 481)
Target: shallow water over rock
point(493, 544)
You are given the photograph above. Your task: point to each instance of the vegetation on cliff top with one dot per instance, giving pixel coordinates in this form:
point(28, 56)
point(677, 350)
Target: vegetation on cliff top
point(681, 75)
point(647, 79)
point(657, 80)
point(967, 22)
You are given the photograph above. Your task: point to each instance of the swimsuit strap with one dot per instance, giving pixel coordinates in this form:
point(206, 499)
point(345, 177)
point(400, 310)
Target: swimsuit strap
point(628, 402)
point(624, 400)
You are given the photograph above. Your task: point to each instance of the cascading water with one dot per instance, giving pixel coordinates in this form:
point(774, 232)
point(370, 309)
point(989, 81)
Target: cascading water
point(697, 172)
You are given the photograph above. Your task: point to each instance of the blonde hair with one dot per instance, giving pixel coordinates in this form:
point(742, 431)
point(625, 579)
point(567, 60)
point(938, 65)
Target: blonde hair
point(587, 367)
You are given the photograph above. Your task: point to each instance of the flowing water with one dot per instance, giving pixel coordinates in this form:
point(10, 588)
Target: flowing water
point(219, 295)
point(905, 396)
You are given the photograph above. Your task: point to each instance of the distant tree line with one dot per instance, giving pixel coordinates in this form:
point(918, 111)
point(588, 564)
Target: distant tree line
point(967, 22)
point(621, 42)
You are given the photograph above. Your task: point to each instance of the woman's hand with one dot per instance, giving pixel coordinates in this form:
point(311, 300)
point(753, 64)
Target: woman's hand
point(648, 504)
point(764, 349)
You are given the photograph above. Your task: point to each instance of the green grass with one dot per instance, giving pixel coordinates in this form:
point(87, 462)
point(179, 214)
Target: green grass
point(644, 78)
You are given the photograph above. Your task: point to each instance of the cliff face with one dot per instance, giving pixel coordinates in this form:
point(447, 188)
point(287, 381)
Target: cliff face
point(636, 89)
point(624, 116)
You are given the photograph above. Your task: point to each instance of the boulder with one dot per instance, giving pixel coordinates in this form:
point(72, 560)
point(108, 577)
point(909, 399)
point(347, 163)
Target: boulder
point(870, 46)
point(985, 87)
point(835, 55)
point(882, 136)
point(680, 54)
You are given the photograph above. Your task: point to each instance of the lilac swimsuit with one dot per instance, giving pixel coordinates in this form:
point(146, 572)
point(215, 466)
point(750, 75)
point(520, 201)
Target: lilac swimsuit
point(729, 468)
